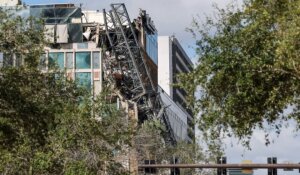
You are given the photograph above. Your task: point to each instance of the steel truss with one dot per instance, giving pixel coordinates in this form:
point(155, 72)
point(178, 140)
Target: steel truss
point(125, 66)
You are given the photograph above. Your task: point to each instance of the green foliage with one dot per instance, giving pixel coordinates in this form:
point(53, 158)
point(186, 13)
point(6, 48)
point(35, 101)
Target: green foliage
point(149, 145)
point(47, 124)
point(90, 141)
point(21, 36)
point(149, 142)
point(248, 69)
point(45, 129)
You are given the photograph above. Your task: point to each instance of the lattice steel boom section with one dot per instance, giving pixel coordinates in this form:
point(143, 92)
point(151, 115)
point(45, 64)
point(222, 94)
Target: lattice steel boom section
point(125, 65)
point(127, 52)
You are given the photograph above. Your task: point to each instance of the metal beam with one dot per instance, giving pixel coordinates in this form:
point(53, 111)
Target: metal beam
point(245, 166)
point(126, 60)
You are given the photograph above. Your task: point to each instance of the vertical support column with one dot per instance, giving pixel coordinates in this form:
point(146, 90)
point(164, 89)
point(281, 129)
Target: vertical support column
point(132, 118)
point(274, 161)
point(221, 171)
point(272, 171)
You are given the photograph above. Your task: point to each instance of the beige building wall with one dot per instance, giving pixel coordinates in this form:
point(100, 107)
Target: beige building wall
point(9, 2)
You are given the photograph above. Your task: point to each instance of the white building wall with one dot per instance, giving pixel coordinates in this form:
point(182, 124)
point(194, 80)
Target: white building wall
point(93, 17)
point(165, 64)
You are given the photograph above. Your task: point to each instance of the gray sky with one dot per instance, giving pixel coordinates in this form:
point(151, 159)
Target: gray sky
point(285, 147)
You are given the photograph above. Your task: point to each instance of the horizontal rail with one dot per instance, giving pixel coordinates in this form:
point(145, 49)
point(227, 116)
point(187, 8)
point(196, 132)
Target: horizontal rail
point(245, 166)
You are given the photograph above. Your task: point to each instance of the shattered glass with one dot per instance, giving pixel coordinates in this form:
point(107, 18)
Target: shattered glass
point(55, 15)
point(51, 14)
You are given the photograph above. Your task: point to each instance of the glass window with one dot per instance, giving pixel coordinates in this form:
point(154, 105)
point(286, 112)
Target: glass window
point(82, 46)
point(18, 61)
point(75, 33)
point(8, 60)
point(151, 47)
point(83, 60)
point(96, 60)
point(56, 59)
point(69, 60)
point(42, 64)
point(83, 79)
point(1, 59)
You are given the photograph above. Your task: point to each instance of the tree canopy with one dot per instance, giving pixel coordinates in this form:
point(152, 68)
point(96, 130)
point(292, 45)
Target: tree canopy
point(49, 125)
point(248, 72)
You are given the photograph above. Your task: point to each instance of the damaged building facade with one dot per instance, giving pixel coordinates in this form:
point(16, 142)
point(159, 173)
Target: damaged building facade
point(74, 43)
point(105, 47)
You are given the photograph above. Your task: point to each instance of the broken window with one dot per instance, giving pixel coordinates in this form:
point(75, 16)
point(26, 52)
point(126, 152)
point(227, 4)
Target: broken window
point(75, 33)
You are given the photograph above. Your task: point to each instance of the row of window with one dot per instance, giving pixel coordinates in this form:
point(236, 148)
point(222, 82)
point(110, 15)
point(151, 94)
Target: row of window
point(82, 60)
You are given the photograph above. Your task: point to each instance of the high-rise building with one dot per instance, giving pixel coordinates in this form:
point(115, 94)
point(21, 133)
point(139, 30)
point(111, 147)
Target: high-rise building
point(172, 60)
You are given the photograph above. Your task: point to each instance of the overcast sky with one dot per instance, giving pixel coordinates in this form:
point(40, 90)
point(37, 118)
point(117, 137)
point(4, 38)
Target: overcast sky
point(171, 17)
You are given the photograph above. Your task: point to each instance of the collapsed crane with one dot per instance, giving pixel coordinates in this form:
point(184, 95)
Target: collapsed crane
point(125, 66)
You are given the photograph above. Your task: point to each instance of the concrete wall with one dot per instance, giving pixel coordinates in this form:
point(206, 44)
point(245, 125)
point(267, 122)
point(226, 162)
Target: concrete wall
point(93, 17)
point(165, 64)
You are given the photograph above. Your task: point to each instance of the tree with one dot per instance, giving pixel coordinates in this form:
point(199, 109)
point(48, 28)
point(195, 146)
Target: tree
point(89, 144)
point(149, 145)
point(48, 125)
point(248, 71)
